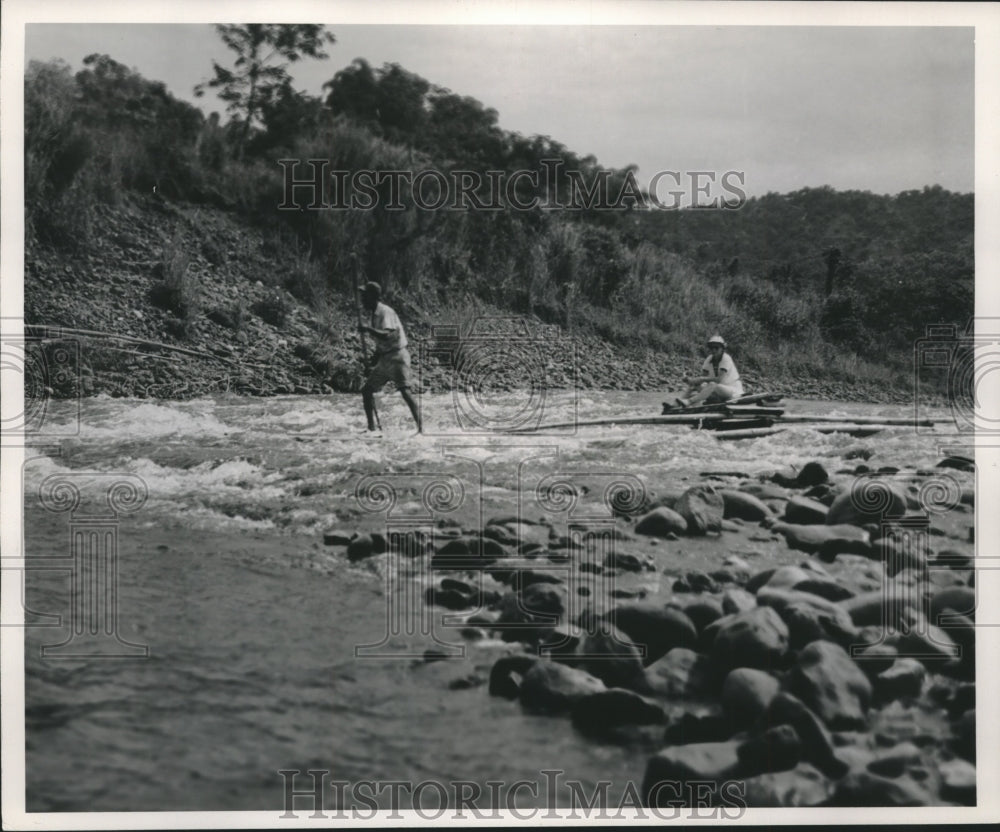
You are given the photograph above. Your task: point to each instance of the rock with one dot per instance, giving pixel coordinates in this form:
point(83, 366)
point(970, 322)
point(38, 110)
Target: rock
point(736, 600)
point(798, 787)
point(613, 708)
point(626, 561)
point(609, 655)
point(336, 538)
point(551, 687)
point(747, 693)
point(898, 555)
point(777, 749)
point(681, 674)
point(878, 608)
point(930, 644)
point(702, 610)
point(661, 522)
point(960, 463)
point(562, 642)
point(828, 682)
point(894, 761)
point(526, 577)
point(467, 553)
point(812, 473)
point(874, 657)
point(527, 615)
point(869, 501)
point(507, 674)
point(784, 577)
point(744, 506)
point(826, 588)
point(959, 599)
point(809, 617)
point(786, 709)
point(657, 629)
point(904, 678)
point(465, 682)
point(755, 638)
point(450, 599)
point(964, 740)
point(828, 540)
point(804, 511)
point(862, 788)
point(674, 767)
point(702, 507)
point(958, 781)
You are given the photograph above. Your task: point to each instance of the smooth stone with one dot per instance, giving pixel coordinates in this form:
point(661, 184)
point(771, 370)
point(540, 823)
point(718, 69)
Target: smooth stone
point(958, 781)
point(759, 579)
point(702, 507)
point(785, 577)
point(747, 693)
point(626, 561)
point(507, 674)
point(527, 615)
point(959, 599)
point(702, 611)
point(661, 522)
point(816, 742)
point(897, 556)
point(612, 708)
point(828, 682)
point(809, 617)
point(904, 678)
point(862, 788)
point(736, 600)
point(450, 599)
point(799, 787)
point(681, 674)
point(828, 540)
point(878, 608)
point(827, 588)
point(931, 645)
point(361, 547)
point(690, 728)
point(707, 761)
point(964, 739)
point(755, 638)
point(740, 504)
point(870, 501)
point(874, 657)
point(337, 538)
point(812, 473)
point(777, 749)
point(551, 687)
point(806, 512)
point(610, 655)
point(894, 761)
point(658, 629)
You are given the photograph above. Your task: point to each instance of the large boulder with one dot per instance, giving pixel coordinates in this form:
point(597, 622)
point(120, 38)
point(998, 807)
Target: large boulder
point(829, 541)
point(508, 673)
point(786, 709)
point(527, 615)
point(681, 674)
point(661, 522)
point(904, 678)
point(658, 629)
point(607, 653)
point(669, 771)
point(743, 506)
point(613, 708)
point(862, 788)
point(805, 511)
point(777, 749)
point(869, 501)
point(551, 687)
point(746, 695)
point(809, 617)
point(755, 638)
point(827, 681)
point(702, 507)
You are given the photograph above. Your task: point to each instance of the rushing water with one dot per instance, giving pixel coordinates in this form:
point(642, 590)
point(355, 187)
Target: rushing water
point(251, 623)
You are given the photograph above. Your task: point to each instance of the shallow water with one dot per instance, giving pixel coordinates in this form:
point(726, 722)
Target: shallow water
point(251, 623)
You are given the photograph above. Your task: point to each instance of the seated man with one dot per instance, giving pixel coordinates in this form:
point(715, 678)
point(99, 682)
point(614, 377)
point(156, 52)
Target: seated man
point(719, 380)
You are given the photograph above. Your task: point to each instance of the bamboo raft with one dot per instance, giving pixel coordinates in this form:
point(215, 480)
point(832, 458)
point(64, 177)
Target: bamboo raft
point(749, 417)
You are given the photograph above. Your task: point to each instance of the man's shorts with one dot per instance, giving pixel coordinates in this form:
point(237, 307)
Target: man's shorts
point(391, 366)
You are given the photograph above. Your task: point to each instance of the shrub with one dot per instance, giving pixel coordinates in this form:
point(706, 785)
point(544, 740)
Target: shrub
point(177, 289)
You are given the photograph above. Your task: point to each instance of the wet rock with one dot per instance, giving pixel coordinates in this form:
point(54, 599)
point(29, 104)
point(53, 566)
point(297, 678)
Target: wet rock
point(817, 744)
point(337, 538)
point(740, 504)
point(958, 781)
point(702, 507)
point(736, 600)
point(747, 693)
point(870, 501)
point(551, 687)
point(828, 682)
point(784, 577)
point(874, 657)
point(708, 761)
point(681, 674)
point(361, 547)
point(612, 708)
point(661, 522)
point(898, 555)
point(450, 599)
point(959, 599)
point(829, 541)
point(878, 608)
point(804, 511)
point(609, 655)
point(932, 645)
point(755, 638)
point(658, 629)
point(627, 561)
point(904, 678)
point(894, 761)
point(777, 749)
point(798, 787)
point(702, 610)
point(826, 588)
point(812, 473)
point(527, 615)
point(809, 617)
point(507, 674)
point(862, 788)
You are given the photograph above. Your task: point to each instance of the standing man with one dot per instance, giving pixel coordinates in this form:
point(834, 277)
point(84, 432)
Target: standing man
point(719, 380)
point(392, 359)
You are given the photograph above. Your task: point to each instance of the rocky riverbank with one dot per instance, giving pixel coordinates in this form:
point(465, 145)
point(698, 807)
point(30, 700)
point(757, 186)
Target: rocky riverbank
point(815, 647)
point(175, 301)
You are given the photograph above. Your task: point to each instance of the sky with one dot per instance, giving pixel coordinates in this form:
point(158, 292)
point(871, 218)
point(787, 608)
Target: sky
point(883, 109)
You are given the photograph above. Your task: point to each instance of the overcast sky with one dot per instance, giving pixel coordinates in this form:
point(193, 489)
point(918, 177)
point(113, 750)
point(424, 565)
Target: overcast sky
point(869, 108)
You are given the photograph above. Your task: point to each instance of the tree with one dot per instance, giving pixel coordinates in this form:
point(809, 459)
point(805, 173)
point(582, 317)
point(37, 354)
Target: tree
point(259, 73)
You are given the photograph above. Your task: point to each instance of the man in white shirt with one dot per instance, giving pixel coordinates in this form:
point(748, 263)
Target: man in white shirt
point(719, 380)
point(392, 359)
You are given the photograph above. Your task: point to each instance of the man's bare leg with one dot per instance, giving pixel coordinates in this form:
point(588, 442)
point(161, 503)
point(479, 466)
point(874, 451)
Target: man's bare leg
point(405, 393)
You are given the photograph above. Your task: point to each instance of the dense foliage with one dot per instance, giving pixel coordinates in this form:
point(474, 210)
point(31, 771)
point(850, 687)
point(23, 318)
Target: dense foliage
point(815, 281)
